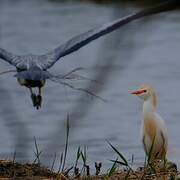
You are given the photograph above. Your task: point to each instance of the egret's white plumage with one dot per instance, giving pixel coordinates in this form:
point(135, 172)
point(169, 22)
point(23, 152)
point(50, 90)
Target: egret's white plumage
point(154, 131)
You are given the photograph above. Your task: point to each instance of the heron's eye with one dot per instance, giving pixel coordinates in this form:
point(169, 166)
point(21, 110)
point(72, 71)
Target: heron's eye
point(145, 91)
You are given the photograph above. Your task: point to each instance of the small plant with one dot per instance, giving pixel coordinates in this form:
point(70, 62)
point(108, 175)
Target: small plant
point(76, 169)
point(113, 169)
point(64, 154)
point(54, 160)
point(123, 162)
point(84, 159)
point(66, 143)
point(98, 168)
point(37, 152)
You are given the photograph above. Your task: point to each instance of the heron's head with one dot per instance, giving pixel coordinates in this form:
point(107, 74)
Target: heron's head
point(145, 92)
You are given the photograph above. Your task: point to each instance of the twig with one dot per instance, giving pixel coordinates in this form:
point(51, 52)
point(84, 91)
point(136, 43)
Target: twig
point(79, 89)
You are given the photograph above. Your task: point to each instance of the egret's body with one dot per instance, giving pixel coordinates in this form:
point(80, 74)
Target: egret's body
point(154, 131)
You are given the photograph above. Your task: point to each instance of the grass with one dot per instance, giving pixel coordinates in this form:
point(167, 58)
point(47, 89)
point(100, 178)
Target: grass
point(121, 167)
point(37, 152)
point(66, 145)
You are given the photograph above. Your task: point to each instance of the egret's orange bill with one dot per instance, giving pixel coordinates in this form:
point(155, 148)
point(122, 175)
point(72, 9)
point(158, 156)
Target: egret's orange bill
point(137, 92)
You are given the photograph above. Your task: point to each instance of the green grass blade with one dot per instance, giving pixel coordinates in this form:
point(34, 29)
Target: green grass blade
point(83, 157)
point(54, 160)
point(113, 169)
point(119, 162)
point(78, 155)
point(37, 152)
point(119, 154)
point(66, 143)
point(61, 161)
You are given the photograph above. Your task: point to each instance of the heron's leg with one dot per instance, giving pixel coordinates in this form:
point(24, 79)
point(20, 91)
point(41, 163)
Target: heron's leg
point(39, 99)
point(39, 91)
point(33, 97)
point(30, 90)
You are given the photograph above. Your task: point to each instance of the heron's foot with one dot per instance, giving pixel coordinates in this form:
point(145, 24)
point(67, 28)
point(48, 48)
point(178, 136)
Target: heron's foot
point(38, 101)
point(33, 97)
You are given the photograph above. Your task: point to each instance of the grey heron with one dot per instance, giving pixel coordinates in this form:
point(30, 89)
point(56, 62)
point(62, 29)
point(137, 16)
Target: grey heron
point(32, 70)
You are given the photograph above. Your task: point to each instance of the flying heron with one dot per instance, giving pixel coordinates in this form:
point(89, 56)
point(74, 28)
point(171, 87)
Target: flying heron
point(32, 69)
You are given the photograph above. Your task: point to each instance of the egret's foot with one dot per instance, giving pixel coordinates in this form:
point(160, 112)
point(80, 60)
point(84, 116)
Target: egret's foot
point(168, 165)
point(33, 97)
point(38, 101)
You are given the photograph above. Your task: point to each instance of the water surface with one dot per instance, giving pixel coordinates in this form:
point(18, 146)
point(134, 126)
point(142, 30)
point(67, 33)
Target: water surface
point(146, 51)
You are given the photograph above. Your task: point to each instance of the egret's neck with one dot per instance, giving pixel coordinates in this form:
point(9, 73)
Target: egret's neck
point(148, 107)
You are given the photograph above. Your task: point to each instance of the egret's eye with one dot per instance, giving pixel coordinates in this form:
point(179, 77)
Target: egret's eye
point(145, 91)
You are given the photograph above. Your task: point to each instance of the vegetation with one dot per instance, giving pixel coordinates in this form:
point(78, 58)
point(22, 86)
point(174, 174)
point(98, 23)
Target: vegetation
point(121, 167)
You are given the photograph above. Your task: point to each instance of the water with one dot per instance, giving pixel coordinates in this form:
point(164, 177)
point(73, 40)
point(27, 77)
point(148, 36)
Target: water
point(146, 51)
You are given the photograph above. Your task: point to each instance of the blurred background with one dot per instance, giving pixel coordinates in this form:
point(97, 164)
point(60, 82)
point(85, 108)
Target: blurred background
point(145, 51)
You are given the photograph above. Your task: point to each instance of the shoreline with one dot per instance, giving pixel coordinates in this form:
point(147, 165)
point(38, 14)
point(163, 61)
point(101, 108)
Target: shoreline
point(35, 171)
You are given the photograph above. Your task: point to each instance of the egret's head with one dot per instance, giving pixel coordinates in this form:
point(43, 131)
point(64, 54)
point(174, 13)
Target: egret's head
point(146, 92)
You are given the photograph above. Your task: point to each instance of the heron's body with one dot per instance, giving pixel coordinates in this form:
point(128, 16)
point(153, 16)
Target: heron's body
point(34, 77)
point(31, 83)
point(154, 131)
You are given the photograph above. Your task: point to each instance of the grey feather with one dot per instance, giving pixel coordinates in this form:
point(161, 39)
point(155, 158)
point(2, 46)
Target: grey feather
point(9, 57)
point(34, 73)
point(81, 40)
point(20, 62)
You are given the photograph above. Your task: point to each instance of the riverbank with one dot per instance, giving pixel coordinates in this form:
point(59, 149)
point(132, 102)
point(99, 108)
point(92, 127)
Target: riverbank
point(34, 171)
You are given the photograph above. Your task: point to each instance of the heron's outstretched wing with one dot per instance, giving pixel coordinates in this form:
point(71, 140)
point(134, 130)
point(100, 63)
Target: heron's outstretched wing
point(23, 62)
point(81, 40)
point(9, 57)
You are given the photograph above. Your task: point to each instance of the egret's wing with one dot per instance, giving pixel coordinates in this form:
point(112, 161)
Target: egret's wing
point(9, 57)
point(81, 40)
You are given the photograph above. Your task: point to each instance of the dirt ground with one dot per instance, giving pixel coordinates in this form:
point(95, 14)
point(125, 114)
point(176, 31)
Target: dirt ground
point(17, 171)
